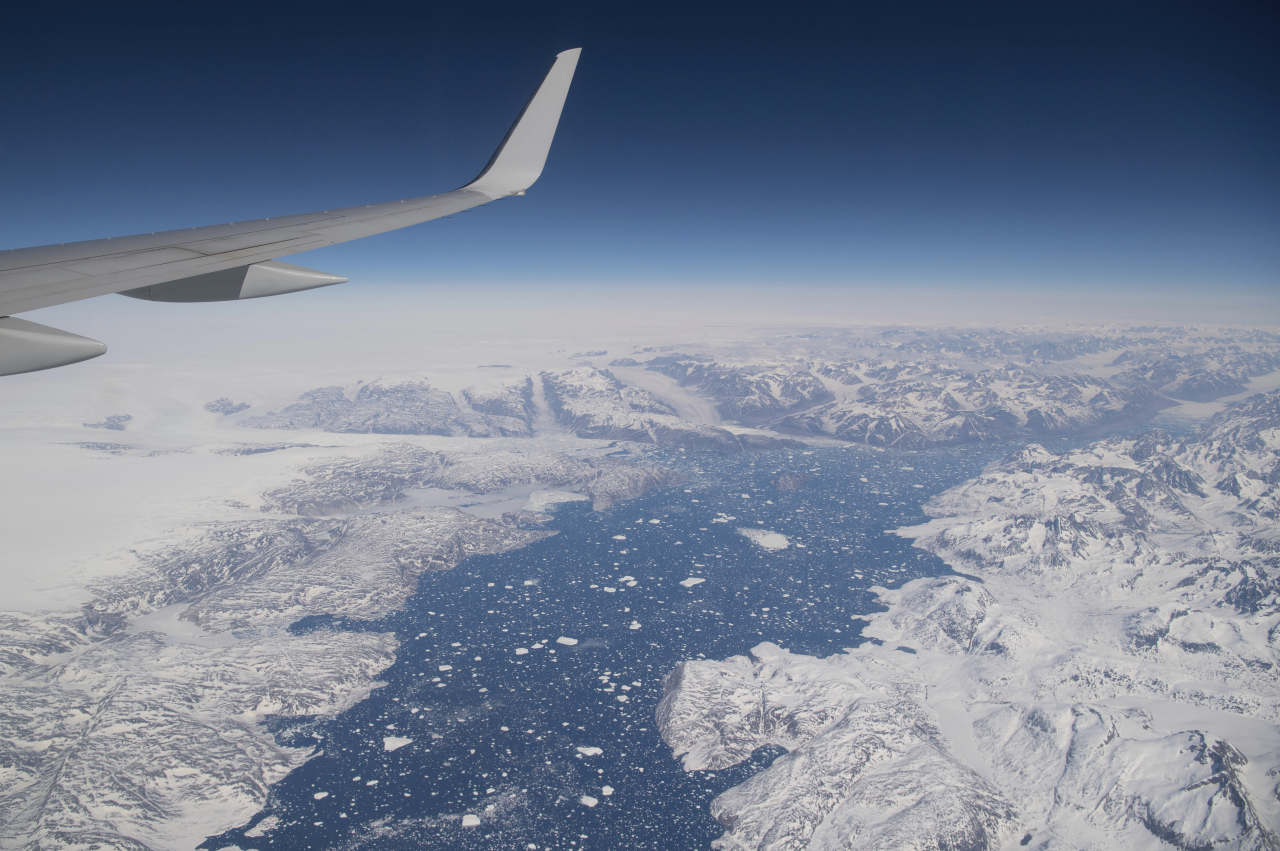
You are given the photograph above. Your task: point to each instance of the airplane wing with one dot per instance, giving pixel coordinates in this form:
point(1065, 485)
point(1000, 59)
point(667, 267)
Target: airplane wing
point(239, 260)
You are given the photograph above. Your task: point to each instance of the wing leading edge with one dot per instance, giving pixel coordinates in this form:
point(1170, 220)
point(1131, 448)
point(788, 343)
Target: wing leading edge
point(31, 278)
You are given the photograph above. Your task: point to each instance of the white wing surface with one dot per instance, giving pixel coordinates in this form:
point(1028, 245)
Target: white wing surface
point(31, 278)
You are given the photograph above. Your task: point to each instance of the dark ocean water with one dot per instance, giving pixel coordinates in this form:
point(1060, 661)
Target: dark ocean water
point(496, 733)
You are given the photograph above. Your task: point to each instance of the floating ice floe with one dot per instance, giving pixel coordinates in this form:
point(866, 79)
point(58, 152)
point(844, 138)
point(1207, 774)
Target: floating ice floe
point(635, 624)
point(619, 537)
point(588, 801)
point(470, 820)
point(589, 751)
point(568, 642)
point(520, 651)
point(606, 791)
point(320, 796)
point(446, 667)
point(765, 538)
point(391, 743)
point(627, 579)
point(691, 581)
point(609, 590)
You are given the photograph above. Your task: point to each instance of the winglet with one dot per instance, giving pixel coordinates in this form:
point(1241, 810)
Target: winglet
point(519, 159)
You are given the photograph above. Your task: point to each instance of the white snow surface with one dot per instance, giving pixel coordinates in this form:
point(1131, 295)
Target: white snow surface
point(1104, 676)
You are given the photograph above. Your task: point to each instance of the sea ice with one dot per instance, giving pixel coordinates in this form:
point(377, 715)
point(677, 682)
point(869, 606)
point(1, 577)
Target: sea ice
point(392, 743)
point(589, 751)
point(588, 801)
point(691, 581)
point(470, 820)
point(540, 501)
point(765, 538)
point(568, 642)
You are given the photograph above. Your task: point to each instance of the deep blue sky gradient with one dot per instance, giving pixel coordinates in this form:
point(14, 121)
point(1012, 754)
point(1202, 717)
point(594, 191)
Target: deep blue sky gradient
point(1069, 145)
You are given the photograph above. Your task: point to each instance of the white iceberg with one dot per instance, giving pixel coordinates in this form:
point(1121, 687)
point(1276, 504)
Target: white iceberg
point(392, 743)
point(765, 538)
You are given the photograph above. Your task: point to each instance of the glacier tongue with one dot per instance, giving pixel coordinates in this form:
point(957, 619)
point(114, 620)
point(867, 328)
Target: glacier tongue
point(1103, 674)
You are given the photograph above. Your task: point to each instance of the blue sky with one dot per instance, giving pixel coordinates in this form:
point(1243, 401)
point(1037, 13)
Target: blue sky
point(1077, 147)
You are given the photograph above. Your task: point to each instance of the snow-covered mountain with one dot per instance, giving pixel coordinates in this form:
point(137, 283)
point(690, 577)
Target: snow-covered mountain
point(593, 403)
point(336, 486)
point(911, 389)
point(752, 393)
point(137, 722)
point(1101, 673)
point(407, 407)
point(918, 408)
